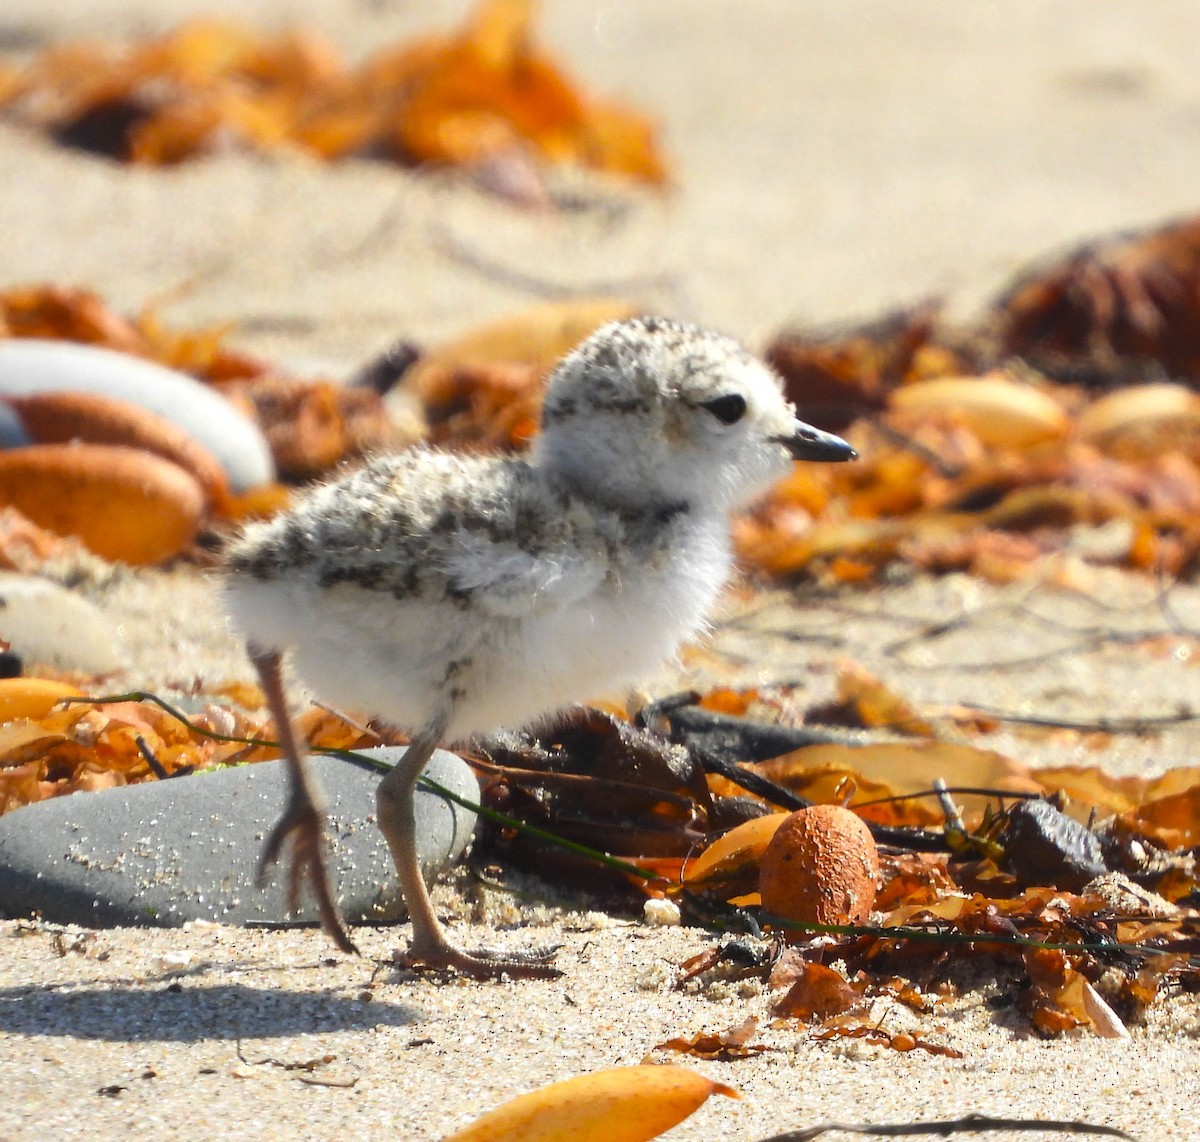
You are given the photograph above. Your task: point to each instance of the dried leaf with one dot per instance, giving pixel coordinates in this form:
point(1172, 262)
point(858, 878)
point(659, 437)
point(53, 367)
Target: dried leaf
point(538, 336)
point(863, 700)
point(493, 407)
point(465, 98)
point(890, 769)
point(625, 1104)
point(31, 697)
point(1056, 999)
point(1143, 422)
point(26, 547)
point(817, 993)
point(1092, 786)
point(902, 1041)
point(734, 852)
point(60, 313)
point(1002, 412)
point(719, 1046)
point(1135, 296)
point(312, 426)
point(1172, 821)
point(835, 376)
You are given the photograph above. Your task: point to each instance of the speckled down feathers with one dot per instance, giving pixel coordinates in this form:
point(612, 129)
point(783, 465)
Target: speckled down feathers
point(640, 362)
point(481, 592)
point(470, 588)
point(438, 526)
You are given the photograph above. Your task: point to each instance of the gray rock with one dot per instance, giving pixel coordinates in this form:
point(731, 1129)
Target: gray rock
point(48, 624)
point(12, 431)
point(33, 365)
point(164, 852)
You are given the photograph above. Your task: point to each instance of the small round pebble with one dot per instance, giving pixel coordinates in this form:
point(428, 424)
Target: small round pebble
point(661, 913)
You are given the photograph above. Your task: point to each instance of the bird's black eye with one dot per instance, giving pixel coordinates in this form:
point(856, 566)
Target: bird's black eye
point(728, 409)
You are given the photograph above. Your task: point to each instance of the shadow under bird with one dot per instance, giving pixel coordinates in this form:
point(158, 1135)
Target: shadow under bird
point(451, 594)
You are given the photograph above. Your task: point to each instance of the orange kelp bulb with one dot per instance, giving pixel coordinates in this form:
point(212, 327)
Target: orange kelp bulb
point(821, 867)
point(126, 505)
point(93, 418)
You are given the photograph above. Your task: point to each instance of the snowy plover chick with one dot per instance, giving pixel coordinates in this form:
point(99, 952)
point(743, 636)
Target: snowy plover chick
point(451, 594)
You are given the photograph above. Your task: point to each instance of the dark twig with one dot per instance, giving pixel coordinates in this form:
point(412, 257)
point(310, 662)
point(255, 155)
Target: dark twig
point(1086, 635)
point(954, 820)
point(353, 723)
point(946, 1127)
point(382, 372)
point(1098, 726)
point(1162, 599)
point(943, 934)
point(270, 1061)
point(915, 840)
point(539, 286)
point(1094, 641)
point(314, 1080)
point(921, 451)
point(957, 790)
point(938, 628)
point(156, 766)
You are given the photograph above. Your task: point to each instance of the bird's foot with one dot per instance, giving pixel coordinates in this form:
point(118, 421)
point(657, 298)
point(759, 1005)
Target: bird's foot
point(302, 826)
point(483, 963)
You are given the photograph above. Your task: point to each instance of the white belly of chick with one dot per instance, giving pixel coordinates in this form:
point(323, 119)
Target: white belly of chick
point(404, 660)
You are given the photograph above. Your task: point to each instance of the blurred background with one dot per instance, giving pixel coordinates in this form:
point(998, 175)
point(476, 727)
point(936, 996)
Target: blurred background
point(826, 160)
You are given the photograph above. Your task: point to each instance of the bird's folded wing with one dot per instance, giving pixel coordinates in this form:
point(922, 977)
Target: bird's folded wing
point(508, 581)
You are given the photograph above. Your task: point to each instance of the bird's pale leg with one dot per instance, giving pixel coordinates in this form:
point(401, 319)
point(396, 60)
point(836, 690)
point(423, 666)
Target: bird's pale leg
point(303, 818)
point(430, 947)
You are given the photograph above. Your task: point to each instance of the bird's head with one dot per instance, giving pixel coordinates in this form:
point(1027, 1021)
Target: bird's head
point(652, 412)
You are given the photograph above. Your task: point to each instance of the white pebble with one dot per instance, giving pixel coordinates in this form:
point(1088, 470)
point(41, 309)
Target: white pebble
point(661, 913)
point(34, 365)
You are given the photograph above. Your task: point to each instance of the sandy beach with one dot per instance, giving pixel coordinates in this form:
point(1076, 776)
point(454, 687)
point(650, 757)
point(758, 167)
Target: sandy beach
point(830, 160)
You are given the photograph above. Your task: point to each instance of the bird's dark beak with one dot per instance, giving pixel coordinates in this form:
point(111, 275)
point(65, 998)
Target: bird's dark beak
point(808, 443)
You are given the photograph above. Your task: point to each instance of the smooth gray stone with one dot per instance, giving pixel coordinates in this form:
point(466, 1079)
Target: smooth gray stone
point(12, 431)
point(48, 624)
point(34, 365)
point(165, 852)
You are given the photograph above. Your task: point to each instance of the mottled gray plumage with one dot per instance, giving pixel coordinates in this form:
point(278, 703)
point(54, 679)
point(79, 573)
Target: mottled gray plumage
point(405, 526)
point(452, 594)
